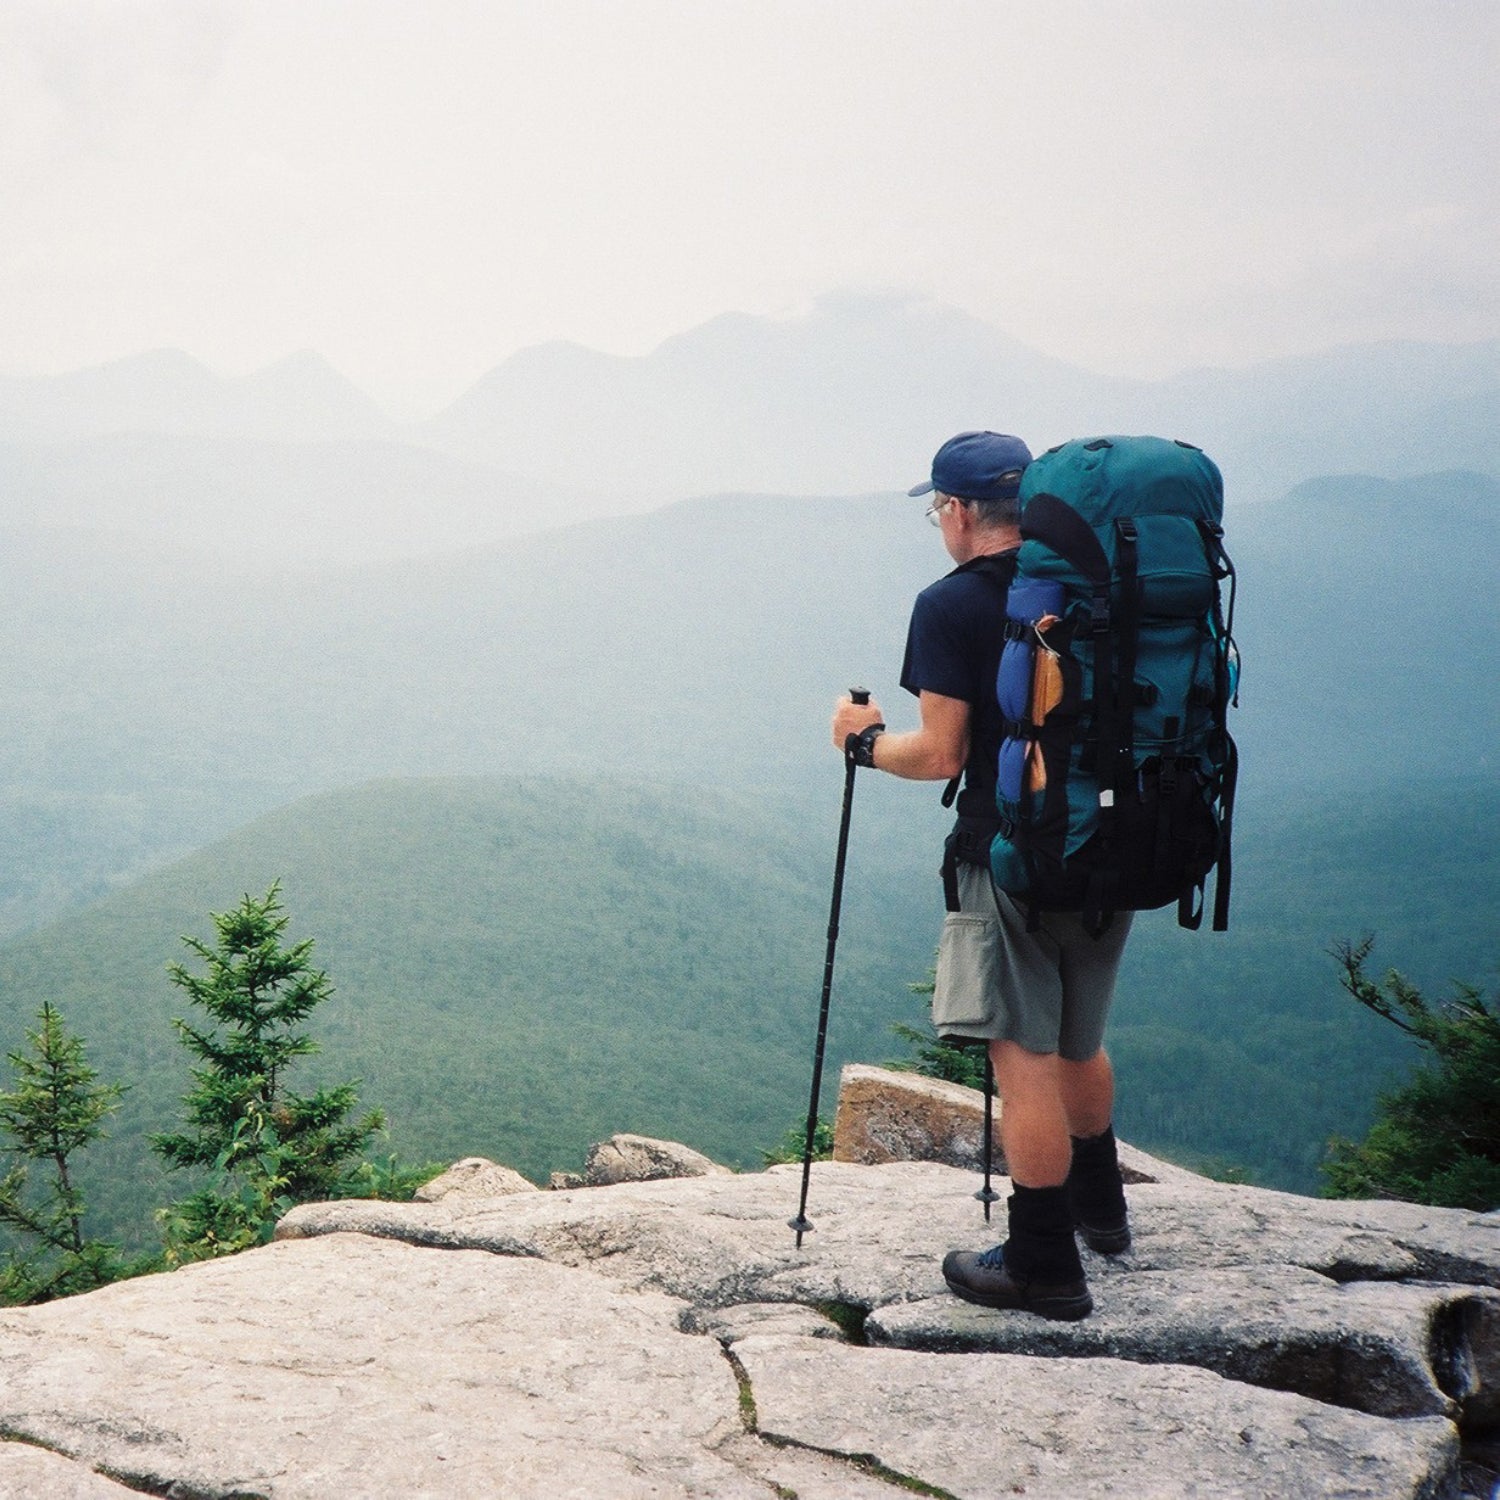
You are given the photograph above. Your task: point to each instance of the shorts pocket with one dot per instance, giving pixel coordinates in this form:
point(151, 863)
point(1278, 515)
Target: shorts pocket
point(965, 991)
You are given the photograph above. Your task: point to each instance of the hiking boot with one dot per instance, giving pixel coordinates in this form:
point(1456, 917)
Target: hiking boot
point(983, 1277)
point(1111, 1239)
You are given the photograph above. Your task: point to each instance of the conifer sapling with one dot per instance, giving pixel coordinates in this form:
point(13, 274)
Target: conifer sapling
point(267, 1147)
point(56, 1108)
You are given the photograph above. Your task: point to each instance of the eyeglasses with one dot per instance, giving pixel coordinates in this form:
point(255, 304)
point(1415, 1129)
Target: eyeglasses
point(934, 512)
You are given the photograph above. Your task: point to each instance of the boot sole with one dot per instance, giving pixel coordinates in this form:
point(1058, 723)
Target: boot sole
point(1106, 1241)
point(1059, 1309)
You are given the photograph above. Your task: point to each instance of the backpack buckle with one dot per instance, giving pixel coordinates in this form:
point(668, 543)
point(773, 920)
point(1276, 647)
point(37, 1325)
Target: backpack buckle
point(1099, 612)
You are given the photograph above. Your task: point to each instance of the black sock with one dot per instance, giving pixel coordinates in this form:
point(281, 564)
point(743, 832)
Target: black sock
point(1041, 1246)
point(1095, 1188)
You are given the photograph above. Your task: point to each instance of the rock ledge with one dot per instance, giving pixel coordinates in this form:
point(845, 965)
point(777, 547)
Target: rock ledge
point(667, 1338)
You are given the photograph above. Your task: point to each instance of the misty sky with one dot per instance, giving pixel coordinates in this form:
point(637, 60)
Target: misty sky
point(418, 189)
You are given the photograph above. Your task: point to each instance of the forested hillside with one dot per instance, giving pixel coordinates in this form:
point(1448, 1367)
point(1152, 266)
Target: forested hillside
point(524, 966)
point(608, 912)
point(1241, 1047)
point(520, 968)
point(154, 700)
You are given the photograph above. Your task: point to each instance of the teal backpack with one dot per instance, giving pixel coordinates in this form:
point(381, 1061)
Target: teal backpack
point(1117, 770)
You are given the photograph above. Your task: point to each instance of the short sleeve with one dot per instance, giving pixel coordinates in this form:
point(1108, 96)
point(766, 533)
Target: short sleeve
point(940, 644)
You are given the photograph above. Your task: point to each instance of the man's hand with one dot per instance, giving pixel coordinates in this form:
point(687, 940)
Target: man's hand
point(935, 752)
point(850, 717)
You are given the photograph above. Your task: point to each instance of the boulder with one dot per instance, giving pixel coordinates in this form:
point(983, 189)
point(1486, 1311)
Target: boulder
point(1006, 1425)
point(638, 1158)
point(28, 1473)
point(355, 1366)
point(1373, 1346)
point(884, 1115)
point(474, 1177)
point(887, 1115)
point(1381, 1307)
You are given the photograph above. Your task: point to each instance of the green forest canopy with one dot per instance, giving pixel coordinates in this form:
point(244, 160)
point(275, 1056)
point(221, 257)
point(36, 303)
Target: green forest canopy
point(522, 967)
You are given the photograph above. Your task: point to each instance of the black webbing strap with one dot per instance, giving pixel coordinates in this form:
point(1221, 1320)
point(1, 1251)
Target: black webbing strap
point(1099, 894)
point(1222, 568)
point(1219, 562)
point(1213, 542)
point(1000, 569)
point(1170, 769)
point(1190, 907)
point(1226, 830)
point(968, 844)
point(1115, 643)
point(1057, 525)
point(1127, 632)
point(949, 872)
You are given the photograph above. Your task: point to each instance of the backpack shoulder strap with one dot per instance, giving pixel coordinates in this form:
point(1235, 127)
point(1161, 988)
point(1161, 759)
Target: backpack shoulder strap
point(1057, 525)
point(1000, 569)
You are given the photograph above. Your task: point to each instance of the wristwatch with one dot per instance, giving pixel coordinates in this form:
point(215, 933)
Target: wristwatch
point(860, 748)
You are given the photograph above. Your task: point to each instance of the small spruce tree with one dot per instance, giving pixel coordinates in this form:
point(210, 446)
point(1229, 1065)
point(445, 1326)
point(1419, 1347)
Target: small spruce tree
point(793, 1144)
point(1436, 1138)
point(56, 1108)
point(937, 1056)
point(266, 1147)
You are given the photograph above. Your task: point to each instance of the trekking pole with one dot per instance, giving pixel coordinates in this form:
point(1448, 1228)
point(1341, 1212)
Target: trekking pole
point(802, 1223)
point(987, 1195)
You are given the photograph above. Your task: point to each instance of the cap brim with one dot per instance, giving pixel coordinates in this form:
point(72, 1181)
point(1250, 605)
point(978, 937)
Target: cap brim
point(925, 488)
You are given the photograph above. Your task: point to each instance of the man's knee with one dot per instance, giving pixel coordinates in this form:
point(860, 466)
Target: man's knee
point(1096, 1062)
point(1019, 1070)
point(1088, 1092)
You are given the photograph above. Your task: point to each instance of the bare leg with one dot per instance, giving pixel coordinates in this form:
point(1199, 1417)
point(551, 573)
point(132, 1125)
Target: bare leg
point(1034, 1122)
point(1088, 1093)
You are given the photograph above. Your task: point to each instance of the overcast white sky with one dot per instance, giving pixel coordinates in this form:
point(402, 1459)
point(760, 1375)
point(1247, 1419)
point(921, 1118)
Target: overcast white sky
point(418, 189)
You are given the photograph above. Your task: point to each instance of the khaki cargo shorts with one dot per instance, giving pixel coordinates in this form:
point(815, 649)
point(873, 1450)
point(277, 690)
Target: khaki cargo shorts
point(1048, 991)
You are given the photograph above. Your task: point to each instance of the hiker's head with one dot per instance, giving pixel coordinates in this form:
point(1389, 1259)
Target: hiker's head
point(982, 470)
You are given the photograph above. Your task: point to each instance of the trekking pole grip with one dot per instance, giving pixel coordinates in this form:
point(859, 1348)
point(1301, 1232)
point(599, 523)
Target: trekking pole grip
point(859, 695)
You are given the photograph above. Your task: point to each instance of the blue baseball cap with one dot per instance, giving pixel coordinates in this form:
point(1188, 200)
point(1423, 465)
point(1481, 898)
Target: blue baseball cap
point(977, 466)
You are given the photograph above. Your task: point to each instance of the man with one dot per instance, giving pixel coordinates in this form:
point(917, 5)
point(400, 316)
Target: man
point(1038, 999)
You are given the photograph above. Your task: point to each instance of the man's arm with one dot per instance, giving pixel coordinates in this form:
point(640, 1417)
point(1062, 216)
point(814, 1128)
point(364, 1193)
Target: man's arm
point(937, 751)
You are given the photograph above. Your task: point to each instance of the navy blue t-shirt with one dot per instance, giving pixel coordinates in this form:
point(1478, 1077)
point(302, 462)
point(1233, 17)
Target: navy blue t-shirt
point(953, 647)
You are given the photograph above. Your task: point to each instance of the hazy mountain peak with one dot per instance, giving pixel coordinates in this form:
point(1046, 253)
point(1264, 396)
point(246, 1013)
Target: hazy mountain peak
point(164, 362)
point(165, 391)
point(301, 395)
point(154, 375)
point(302, 364)
point(847, 396)
point(847, 325)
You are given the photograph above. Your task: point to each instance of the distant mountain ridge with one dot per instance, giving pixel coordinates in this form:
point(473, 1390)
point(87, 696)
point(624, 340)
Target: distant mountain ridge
point(299, 503)
point(845, 397)
point(164, 391)
point(850, 397)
